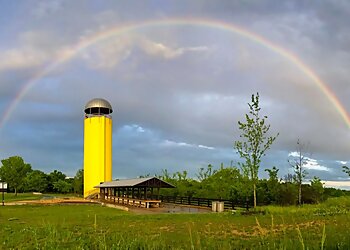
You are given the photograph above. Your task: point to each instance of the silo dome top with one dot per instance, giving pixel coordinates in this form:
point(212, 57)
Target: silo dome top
point(98, 106)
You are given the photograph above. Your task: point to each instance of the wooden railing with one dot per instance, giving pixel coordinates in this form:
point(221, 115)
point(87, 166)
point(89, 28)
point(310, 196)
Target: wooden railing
point(130, 201)
point(204, 202)
point(191, 201)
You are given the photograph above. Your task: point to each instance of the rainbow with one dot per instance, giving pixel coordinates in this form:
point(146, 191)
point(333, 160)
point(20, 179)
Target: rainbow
point(214, 24)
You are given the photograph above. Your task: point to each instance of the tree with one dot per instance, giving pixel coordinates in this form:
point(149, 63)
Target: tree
point(288, 193)
point(78, 183)
point(205, 173)
point(36, 181)
point(14, 171)
point(223, 183)
point(56, 176)
point(346, 170)
point(62, 186)
point(317, 189)
point(254, 141)
point(53, 177)
point(273, 185)
point(297, 162)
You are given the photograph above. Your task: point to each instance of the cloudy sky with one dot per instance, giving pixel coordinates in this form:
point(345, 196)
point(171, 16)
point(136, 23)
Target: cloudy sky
point(177, 88)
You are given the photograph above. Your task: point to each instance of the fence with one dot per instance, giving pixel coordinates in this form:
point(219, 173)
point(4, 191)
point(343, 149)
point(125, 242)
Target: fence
point(204, 202)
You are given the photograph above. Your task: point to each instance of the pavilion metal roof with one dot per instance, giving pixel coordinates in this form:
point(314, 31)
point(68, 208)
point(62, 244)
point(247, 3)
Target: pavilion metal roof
point(137, 182)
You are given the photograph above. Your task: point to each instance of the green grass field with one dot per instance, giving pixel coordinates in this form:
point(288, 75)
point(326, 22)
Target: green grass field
point(325, 226)
point(10, 197)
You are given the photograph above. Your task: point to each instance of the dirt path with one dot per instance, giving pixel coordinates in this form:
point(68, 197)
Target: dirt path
point(166, 208)
point(70, 200)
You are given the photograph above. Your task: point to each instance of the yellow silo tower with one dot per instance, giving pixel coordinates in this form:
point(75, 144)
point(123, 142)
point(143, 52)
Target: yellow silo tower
point(97, 144)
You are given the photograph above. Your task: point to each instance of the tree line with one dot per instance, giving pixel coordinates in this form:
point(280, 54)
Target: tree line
point(22, 178)
point(230, 183)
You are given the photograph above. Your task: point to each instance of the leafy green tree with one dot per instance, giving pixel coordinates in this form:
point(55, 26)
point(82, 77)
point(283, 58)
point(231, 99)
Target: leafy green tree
point(288, 194)
point(333, 192)
point(184, 185)
point(205, 173)
point(254, 141)
point(346, 170)
point(14, 171)
point(317, 189)
point(78, 183)
point(36, 181)
point(56, 176)
point(273, 185)
point(62, 186)
point(53, 177)
point(245, 189)
point(262, 192)
point(223, 183)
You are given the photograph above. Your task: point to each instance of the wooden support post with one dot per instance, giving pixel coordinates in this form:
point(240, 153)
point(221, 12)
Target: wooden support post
point(127, 195)
point(158, 193)
point(152, 192)
point(145, 190)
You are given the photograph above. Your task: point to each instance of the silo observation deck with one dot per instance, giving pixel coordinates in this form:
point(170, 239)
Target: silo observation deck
point(98, 107)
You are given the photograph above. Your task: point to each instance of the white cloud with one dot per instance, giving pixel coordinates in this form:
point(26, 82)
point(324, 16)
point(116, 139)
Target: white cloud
point(134, 127)
point(314, 165)
point(206, 147)
point(166, 52)
point(140, 129)
point(109, 54)
point(35, 48)
point(338, 184)
point(184, 144)
point(21, 58)
point(293, 154)
point(173, 143)
point(342, 162)
point(310, 163)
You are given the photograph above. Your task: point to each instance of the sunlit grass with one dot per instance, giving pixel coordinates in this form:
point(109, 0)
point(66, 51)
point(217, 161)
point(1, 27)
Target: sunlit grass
point(10, 197)
point(97, 227)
